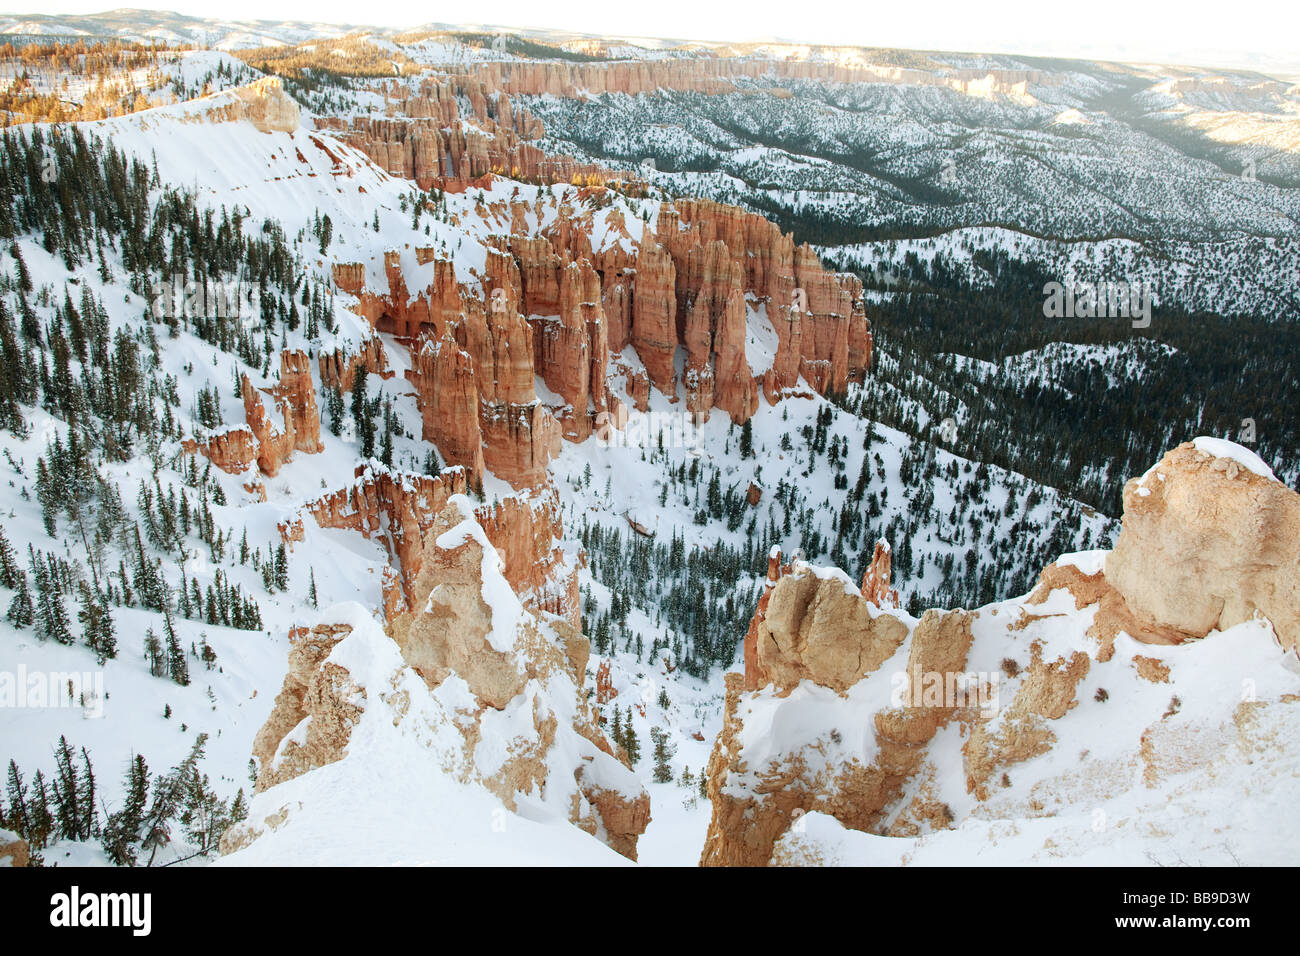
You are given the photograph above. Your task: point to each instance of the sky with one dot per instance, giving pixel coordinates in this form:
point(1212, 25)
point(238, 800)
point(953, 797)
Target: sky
point(1264, 34)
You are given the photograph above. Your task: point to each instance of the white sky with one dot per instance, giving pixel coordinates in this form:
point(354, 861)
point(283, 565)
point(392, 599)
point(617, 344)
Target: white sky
point(1260, 33)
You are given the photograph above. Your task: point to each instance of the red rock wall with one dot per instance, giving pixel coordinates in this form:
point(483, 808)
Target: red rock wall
point(402, 507)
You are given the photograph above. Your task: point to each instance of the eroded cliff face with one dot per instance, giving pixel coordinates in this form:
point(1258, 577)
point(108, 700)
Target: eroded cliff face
point(398, 509)
point(338, 365)
point(422, 137)
point(815, 313)
point(294, 397)
point(851, 709)
point(568, 288)
point(263, 103)
point(491, 688)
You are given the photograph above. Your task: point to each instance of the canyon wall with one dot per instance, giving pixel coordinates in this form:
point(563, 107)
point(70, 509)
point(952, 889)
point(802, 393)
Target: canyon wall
point(548, 305)
point(399, 509)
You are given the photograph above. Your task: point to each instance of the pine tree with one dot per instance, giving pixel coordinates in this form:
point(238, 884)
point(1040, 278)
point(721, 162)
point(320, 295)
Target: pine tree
point(9, 570)
point(97, 624)
point(334, 406)
point(205, 815)
point(88, 814)
point(311, 591)
point(121, 833)
point(67, 790)
point(177, 667)
point(40, 821)
point(16, 818)
point(361, 412)
point(281, 568)
point(386, 443)
point(148, 582)
point(51, 616)
point(21, 613)
point(663, 754)
point(49, 495)
point(168, 801)
point(153, 653)
point(430, 463)
point(630, 741)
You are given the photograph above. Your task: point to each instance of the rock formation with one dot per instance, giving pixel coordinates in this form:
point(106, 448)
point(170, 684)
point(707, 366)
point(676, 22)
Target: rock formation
point(233, 449)
point(13, 850)
point(263, 103)
point(262, 440)
point(1207, 541)
point(654, 317)
point(815, 626)
point(875, 580)
point(844, 700)
point(399, 508)
point(563, 299)
point(449, 406)
point(295, 398)
point(338, 365)
point(486, 670)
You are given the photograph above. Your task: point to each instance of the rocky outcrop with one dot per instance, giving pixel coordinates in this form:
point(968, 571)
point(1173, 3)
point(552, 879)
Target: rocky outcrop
point(13, 850)
point(571, 350)
point(822, 332)
point(339, 364)
point(472, 367)
point(816, 626)
point(502, 681)
point(398, 310)
point(395, 507)
point(756, 796)
point(317, 696)
point(400, 508)
point(233, 449)
point(263, 103)
point(263, 441)
point(852, 709)
point(654, 316)
point(423, 139)
point(548, 304)
point(1209, 538)
point(875, 580)
point(449, 405)
point(527, 534)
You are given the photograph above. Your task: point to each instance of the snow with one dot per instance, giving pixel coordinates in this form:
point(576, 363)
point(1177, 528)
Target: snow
point(1220, 793)
point(1222, 448)
point(1088, 562)
point(398, 795)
